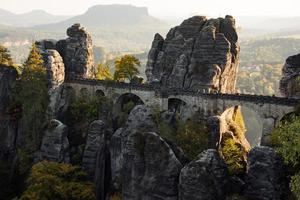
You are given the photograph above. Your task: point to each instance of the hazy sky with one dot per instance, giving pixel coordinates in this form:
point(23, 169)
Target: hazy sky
point(165, 7)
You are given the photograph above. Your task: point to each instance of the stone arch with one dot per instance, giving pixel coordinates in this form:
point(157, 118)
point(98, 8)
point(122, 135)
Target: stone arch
point(253, 122)
point(181, 107)
point(84, 92)
point(99, 93)
point(123, 101)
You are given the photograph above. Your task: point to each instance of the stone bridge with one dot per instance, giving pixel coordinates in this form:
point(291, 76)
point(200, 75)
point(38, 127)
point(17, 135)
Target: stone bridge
point(269, 109)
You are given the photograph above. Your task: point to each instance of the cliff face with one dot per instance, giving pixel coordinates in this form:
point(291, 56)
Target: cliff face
point(290, 82)
point(199, 54)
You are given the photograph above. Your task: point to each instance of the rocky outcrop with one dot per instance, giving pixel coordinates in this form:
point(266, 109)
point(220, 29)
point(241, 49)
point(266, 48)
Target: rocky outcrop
point(290, 81)
point(77, 52)
point(55, 144)
point(150, 168)
point(199, 54)
point(8, 131)
point(56, 77)
point(144, 166)
point(8, 77)
point(265, 179)
point(205, 178)
point(96, 158)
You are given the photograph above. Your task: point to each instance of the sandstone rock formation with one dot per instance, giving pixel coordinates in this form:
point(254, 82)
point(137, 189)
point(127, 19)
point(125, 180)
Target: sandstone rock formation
point(77, 52)
point(8, 130)
point(205, 178)
point(199, 54)
point(150, 168)
point(96, 159)
point(265, 178)
point(56, 77)
point(290, 81)
point(8, 76)
point(55, 144)
point(143, 165)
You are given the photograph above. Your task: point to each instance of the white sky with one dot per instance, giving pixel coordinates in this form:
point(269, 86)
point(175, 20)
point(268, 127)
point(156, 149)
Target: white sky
point(165, 7)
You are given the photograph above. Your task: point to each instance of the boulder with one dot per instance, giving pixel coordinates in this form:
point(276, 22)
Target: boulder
point(150, 168)
point(55, 144)
point(265, 178)
point(290, 82)
point(200, 54)
point(77, 52)
point(205, 178)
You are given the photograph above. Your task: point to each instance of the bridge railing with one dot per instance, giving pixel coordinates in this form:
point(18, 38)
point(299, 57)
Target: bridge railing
point(164, 91)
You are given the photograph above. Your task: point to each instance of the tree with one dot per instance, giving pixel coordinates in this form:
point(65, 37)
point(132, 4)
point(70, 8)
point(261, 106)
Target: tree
point(31, 93)
point(5, 57)
point(50, 180)
point(126, 67)
point(103, 72)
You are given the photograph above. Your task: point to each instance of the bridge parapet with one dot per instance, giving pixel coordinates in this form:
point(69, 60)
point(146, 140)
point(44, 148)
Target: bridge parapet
point(165, 92)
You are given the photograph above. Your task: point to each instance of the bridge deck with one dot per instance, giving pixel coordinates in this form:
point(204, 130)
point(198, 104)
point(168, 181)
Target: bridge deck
point(175, 91)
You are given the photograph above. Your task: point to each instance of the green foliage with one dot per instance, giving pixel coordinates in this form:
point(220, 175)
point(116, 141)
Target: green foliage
point(191, 135)
point(127, 107)
point(32, 93)
point(286, 140)
point(233, 156)
point(103, 72)
point(126, 67)
point(295, 186)
point(25, 161)
point(49, 180)
point(5, 57)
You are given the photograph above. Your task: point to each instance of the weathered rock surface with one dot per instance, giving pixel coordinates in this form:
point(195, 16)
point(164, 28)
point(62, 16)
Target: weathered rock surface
point(150, 168)
point(56, 77)
point(55, 144)
point(8, 130)
point(8, 76)
point(96, 158)
point(77, 52)
point(200, 54)
point(265, 179)
point(289, 83)
point(205, 178)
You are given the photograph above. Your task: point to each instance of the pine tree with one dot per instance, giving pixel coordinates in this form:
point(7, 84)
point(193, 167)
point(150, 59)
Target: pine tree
point(5, 57)
point(32, 94)
point(126, 68)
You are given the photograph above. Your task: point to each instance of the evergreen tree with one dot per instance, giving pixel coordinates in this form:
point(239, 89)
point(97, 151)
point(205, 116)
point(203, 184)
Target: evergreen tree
point(5, 57)
point(126, 68)
point(32, 93)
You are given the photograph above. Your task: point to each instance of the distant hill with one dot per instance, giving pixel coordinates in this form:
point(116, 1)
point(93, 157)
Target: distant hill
point(112, 16)
point(35, 17)
point(115, 27)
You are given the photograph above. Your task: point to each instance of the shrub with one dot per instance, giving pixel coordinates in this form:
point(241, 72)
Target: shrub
point(286, 140)
point(295, 186)
point(233, 156)
point(49, 180)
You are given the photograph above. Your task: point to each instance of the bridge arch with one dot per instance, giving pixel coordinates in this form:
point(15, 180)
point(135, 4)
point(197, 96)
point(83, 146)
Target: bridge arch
point(99, 93)
point(126, 102)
